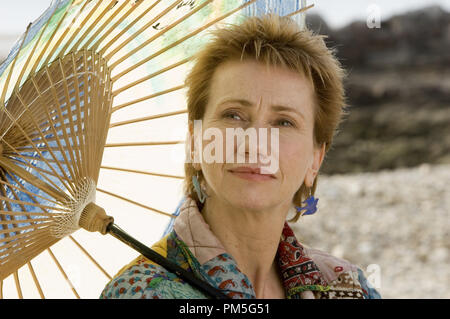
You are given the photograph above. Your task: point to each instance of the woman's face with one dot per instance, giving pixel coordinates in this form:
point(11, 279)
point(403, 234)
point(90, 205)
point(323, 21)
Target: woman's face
point(250, 95)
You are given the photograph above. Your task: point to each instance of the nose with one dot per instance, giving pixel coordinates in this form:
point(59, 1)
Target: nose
point(255, 147)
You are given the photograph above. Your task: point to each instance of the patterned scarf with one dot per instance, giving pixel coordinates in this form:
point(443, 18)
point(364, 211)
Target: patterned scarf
point(299, 272)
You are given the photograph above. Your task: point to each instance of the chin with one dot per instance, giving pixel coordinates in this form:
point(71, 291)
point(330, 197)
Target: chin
point(251, 199)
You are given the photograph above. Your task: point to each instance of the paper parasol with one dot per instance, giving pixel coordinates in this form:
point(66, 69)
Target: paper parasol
point(92, 110)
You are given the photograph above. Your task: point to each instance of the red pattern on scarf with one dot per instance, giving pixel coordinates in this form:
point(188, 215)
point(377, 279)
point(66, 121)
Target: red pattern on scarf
point(296, 268)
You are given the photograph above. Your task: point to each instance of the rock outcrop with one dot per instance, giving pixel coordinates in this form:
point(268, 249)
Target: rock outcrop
point(398, 90)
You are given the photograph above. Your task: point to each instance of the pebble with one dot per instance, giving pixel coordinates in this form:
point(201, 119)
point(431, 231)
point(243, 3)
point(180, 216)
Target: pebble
point(397, 219)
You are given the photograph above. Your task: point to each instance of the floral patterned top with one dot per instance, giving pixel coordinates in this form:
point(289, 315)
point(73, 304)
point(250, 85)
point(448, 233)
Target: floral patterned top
point(306, 273)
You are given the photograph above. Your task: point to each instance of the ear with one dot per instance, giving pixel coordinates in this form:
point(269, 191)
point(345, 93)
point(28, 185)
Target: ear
point(196, 166)
point(318, 156)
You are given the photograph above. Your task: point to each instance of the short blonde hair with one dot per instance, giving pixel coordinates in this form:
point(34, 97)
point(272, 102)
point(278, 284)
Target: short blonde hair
point(275, 41)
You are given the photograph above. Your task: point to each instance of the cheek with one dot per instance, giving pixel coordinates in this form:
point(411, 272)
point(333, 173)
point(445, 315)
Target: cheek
point(294, 156)
point(213, 175)
point(214, 146)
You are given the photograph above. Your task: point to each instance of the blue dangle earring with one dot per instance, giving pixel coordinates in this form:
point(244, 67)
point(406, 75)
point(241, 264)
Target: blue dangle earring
point(311, 205)
point(200, 192)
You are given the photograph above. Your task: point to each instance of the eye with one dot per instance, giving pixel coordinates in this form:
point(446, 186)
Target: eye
point(232, 115)
point(284, 122)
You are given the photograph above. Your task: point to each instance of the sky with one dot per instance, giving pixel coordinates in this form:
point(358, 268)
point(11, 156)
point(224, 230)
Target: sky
point(337, 13)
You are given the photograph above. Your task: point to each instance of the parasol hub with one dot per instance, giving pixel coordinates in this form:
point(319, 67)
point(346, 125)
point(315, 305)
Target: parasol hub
point(94, 218)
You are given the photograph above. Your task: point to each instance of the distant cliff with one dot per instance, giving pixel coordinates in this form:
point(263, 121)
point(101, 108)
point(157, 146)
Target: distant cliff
point(398, 91)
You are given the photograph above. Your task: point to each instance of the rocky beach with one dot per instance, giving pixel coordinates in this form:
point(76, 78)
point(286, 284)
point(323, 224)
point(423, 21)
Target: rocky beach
point(397, 220)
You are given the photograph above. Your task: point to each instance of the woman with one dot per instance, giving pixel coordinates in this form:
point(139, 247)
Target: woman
point(232, 232)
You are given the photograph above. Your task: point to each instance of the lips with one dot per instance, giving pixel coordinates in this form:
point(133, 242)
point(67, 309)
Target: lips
point(250, 170)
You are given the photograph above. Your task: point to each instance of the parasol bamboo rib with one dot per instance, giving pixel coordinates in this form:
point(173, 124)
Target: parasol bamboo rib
point(18, 229)
point(44, 148)
point(141, 172)
point(136, 203)
point(20, 241)
point(24, 190)
point(32, 220)
point(12, 166)
point(76, 175)
point(6, 206)
point(25, 249)
point(86, 95)
point(120, 20)
point(52, 126)
point(36, 281)
point(87, 105)
point(34, 180)
point(38, 150)
point(48, 160)
point(107, 105)
point(50, 54)
point(11, 70)
point(129, 26)
point(104, 97)
point(102, 27)
point(3, 191)
point(159, 34)
point(34, 247)
point(40, 127)
point(63, 272)
point(21, 221)
point(143, 144)
point(17, 181)
point(90, 257)
point(40, 170)
point(142, 29)
point(16, 280)
point(16, 168)
point(81, 137)
point(300, 10)
point(27, 215)
point(75, 47)
point(132, 84)
point(94, 102)
point(31, 204)
point(37, 100)
point(15, 240)
point(147, 118)
point(148, 97)
point(13, 213)
point(32, 53)
point(66, 138)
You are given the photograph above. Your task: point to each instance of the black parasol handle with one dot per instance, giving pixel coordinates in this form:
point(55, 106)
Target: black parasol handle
point(149, 253)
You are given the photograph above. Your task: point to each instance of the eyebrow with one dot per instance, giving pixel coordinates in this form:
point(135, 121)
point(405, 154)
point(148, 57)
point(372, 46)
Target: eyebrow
point(274, 107)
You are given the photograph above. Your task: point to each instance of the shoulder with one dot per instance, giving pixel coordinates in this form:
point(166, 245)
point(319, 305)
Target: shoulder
point(147, 280)
point(330, 266)
point(342, 274)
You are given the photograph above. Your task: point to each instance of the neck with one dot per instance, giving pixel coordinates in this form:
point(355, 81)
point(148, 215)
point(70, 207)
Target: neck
point(251, 237)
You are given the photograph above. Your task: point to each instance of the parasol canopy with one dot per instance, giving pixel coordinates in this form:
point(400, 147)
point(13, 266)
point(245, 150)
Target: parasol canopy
point(92, 109)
